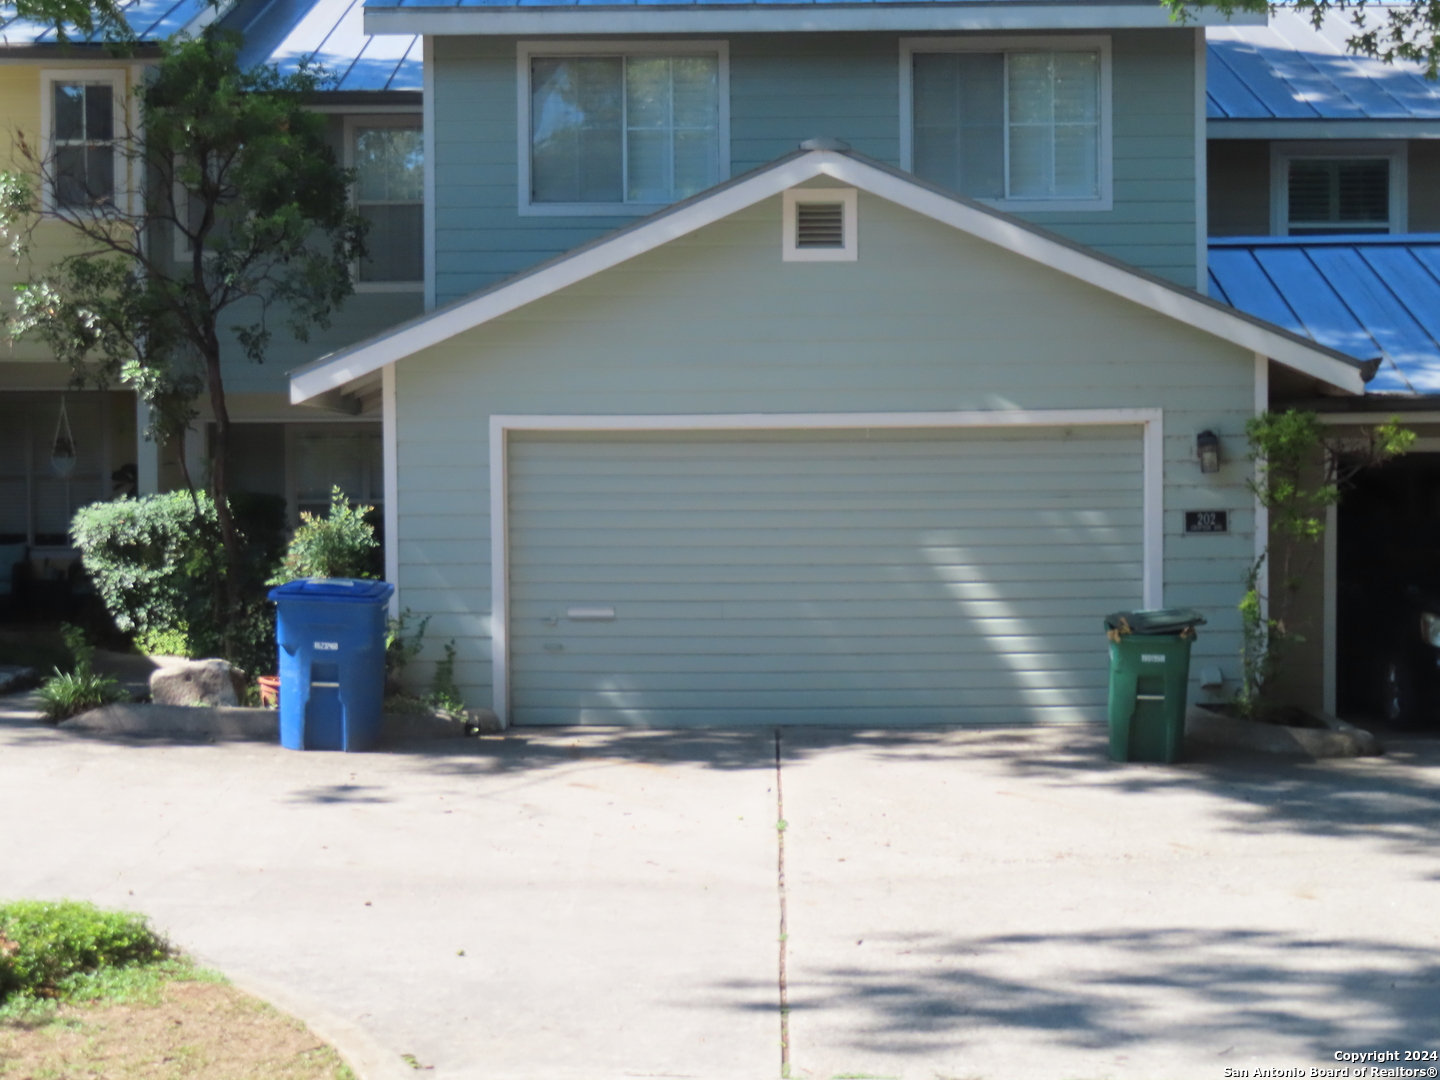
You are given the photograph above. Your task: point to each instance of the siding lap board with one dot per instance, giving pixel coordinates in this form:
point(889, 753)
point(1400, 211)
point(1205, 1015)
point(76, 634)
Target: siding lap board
point(820, 577)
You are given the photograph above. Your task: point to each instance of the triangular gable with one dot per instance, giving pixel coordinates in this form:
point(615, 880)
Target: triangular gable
point(1183, 305)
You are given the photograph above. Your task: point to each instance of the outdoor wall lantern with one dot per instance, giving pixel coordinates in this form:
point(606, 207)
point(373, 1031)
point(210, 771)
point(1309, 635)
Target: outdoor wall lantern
point(1207, 449)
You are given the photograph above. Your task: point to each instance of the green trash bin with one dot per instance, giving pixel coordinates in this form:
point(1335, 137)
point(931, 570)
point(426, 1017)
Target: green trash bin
point(1149, 673)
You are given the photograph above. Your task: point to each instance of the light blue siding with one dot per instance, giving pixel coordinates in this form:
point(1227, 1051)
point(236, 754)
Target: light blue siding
point(787, 88)
point(926, 319)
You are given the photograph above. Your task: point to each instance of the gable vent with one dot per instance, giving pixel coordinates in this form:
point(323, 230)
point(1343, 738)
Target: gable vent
point(820, 225)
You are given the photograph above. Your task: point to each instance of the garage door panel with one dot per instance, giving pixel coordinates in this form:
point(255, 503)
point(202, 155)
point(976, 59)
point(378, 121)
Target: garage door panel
point(551, 593)
point(820, 577)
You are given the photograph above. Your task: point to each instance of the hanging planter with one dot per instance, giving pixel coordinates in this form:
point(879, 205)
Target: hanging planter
point(62, 449)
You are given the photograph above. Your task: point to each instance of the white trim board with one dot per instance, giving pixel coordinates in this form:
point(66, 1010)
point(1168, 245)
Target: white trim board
point(1151, 422)
point(786, 18)
point(1183, 305)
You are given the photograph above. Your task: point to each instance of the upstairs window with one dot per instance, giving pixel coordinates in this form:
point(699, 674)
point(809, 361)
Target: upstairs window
point(82, 133)
point(622, 133)
point(389, 163)
point(1338, 196)
point(1022, 126)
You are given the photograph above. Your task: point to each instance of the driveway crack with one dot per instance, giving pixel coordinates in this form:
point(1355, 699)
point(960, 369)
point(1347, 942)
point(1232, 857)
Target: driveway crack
point(780, 826)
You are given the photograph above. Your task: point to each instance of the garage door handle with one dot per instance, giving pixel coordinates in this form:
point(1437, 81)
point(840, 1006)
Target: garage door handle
point(591, 614)
point(1149, 697)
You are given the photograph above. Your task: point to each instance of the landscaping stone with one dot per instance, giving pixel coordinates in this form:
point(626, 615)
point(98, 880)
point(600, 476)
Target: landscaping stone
point(198, 682)
point(1336, 739)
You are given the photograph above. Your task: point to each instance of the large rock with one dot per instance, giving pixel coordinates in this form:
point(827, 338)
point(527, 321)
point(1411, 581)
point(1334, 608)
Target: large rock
point(198, 682)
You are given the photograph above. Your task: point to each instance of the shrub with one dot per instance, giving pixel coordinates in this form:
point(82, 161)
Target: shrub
point(342, 544)
point(68, 693)
point(156, 563)
point(44, 943)
point(401, 646)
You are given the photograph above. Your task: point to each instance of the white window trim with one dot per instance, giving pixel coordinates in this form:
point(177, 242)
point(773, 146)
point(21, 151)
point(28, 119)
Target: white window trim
point(849, 198)
point(1151, 422)
point(1396, 151)
point(1067, 43)
point(119, 83)
point(526, 50)
point(415, 122)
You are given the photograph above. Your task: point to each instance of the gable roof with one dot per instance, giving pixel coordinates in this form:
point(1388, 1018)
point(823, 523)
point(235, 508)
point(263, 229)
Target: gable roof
point(742, 16)
point(330, 33)
point(1363, 295)
point(1012, 234)
point(1288, 70)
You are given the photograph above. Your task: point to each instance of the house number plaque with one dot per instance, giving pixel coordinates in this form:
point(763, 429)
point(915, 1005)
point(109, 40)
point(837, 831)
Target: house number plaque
point(1207, 521)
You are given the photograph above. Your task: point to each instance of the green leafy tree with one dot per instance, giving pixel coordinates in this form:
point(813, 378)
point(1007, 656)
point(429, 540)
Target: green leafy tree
point(236, 170)
point(1388, 31)
point(1301, 469)
point(84, 20)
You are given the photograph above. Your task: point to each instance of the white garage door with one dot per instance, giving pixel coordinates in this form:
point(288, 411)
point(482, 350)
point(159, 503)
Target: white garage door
point(881, 578)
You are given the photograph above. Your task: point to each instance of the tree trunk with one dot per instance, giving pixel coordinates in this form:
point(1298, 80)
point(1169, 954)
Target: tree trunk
point(220, 490)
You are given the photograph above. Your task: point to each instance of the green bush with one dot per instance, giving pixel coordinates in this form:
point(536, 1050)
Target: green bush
point(45, 943)
point(341, 545)
point(156, 563)
point(68, 693)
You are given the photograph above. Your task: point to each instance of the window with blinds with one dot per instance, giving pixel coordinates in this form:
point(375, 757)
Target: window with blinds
point(1337, 195)
point(641, 129)
point(1010, 124)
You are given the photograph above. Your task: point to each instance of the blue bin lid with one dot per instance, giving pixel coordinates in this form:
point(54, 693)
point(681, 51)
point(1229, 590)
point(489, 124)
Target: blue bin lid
point(338, 590)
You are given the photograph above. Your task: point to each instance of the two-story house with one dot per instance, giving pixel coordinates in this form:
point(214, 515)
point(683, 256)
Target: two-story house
point(836, 363)
point(71, 101)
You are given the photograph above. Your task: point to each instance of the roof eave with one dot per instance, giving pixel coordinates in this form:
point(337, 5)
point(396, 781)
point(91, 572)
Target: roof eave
point(782, 18)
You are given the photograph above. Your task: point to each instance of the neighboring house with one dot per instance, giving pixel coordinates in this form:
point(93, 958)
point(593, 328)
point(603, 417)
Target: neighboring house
point(1324, 216)
point(74, 96)
point(69, 98)
point(825, 363)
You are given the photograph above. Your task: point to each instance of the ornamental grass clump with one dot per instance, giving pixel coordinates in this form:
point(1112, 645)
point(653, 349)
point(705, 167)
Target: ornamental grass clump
point(49, 948)
point(69, 693)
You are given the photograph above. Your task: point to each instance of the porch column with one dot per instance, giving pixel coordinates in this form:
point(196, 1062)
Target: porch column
point(147, 453)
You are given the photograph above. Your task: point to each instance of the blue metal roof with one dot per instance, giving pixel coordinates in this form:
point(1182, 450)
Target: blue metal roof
point(1366, 296)
point(1288, 70)
point(151, 20)
point(330, 33)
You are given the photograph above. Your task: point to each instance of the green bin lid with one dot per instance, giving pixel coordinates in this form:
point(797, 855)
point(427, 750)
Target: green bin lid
point(1161, 621)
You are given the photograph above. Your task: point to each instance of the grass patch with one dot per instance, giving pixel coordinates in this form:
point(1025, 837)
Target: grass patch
point(86, 992)
point(176, 1027)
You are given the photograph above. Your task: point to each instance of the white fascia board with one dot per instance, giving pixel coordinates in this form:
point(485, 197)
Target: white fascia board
point(800, 18)
point(1183, 306)
point(1322, 129)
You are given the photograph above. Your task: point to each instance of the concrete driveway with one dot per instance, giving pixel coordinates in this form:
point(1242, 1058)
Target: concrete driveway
point(605, 904)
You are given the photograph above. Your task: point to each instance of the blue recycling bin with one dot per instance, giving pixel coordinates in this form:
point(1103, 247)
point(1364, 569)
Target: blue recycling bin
point(331, 633)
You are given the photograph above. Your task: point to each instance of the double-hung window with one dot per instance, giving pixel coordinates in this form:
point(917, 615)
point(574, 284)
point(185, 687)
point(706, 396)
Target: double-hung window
point(389, 161)
point(1343, 188)
point(81, 132)
point(1024, 124)
point(624, 131)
